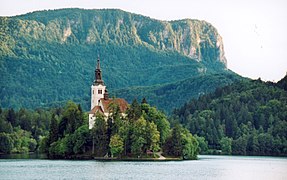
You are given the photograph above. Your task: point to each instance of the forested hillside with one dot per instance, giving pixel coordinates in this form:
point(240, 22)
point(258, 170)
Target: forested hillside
point(48, 57)
point(172, 95)
point(246, 118)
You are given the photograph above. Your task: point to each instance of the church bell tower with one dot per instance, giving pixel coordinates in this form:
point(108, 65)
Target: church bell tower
point(98, 88)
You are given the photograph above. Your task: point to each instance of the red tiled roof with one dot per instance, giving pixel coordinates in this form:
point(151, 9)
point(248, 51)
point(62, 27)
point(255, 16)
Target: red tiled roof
point(96, 109)
point(120, 102)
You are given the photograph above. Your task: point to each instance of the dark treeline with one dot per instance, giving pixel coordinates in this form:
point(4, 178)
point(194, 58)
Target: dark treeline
point(64, 133)
point(246, 118)
point(26, 130)
point(23, 130)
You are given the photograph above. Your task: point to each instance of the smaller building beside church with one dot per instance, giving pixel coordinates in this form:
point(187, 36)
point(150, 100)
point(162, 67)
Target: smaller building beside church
point(100, 101)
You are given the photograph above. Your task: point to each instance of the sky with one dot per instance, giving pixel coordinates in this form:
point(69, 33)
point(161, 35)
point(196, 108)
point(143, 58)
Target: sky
point(254, 32)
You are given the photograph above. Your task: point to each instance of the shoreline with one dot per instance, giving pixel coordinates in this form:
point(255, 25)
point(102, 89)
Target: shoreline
point(32, 155)
point(136, 159)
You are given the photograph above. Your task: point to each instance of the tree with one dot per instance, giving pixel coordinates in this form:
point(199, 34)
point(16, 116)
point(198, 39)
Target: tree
point(23, 142)
point(153, 137)
point(139, 136)
point(189, 145)
point(32, 145)
point(5, 126)
point(125, 132)
point(137, 146)
point(176, 141)
point(116, 145)
point(114, 111)
point(6, 143)
point(11, 117)
point(53, 132)
point(99, 134)
point(134, 112)
point(144, 101)
point(173, 144)
point(25, 119)
point(80, 117)
point(239, 146)
point(252, 144)
point(72, 118)
point(181, 144)
point(225, 144)
point(114, 121)
point(80, 139)
point(43, 145)
point(202, 144)
point(265, 141)
point(110, 129)
point(62, 126)
point(153, 115)
point(62, 148)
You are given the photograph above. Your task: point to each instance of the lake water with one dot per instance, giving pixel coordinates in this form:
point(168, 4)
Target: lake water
point(207, 167)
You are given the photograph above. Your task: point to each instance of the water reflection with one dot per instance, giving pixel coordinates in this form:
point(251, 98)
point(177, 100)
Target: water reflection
point(23, 156)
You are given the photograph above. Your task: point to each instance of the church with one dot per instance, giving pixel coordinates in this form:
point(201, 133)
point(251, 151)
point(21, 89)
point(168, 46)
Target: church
point(100, 101)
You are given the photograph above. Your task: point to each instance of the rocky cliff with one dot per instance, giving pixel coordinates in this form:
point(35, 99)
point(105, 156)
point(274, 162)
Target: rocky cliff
point(196, 39)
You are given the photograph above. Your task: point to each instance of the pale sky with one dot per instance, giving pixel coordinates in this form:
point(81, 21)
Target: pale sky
point(254, 31)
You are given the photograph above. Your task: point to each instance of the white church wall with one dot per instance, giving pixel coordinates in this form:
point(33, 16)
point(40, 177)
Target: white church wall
point(96, 96)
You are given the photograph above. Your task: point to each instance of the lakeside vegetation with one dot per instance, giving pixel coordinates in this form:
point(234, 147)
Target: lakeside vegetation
point(64, 133)
point(245, 118)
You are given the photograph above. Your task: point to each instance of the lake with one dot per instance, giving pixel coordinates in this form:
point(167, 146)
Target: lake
point(207, 167)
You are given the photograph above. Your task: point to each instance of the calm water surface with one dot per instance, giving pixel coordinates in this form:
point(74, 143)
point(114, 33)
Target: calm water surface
point(207, 167)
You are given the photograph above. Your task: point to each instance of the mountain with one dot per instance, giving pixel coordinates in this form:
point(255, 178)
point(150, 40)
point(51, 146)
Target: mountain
point(48, 57)
point(249, 117)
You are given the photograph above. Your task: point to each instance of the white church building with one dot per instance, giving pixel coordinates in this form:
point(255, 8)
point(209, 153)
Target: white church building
point(100, 101)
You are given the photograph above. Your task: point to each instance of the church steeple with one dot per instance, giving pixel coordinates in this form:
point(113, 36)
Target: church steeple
point(98, 88)
point(98, 74)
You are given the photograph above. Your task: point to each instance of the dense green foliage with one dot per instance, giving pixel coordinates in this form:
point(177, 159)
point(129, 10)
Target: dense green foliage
point(116, 145)
point(58, 132)
point(64, 133)
point(143, 129)
point(172, 95)
point(246, 118)
point(71, 136)
point(24, 130)
point(181, 143)
point(48, 57)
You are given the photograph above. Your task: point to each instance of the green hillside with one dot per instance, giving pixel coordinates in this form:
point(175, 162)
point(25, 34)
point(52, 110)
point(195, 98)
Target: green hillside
point(173, 95)
point(246, 118)
point(48, 57)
